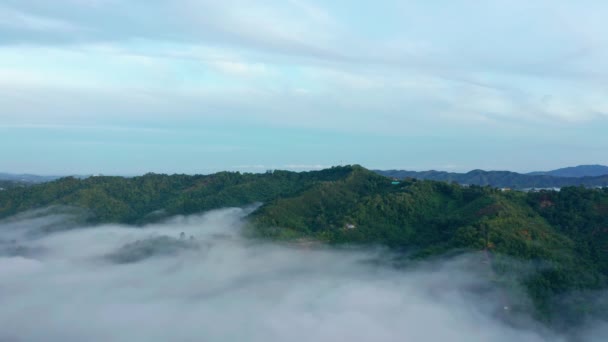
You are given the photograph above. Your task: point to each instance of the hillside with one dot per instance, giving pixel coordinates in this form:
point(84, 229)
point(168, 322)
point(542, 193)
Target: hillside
point(566, 230)
point(501, 179)
point(551, 244)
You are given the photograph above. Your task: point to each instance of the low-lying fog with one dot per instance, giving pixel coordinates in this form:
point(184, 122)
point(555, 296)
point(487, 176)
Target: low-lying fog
point(196, 279)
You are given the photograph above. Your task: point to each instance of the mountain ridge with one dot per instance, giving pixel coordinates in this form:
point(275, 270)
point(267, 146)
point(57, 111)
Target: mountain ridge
point(500, 179)
point(594, 170)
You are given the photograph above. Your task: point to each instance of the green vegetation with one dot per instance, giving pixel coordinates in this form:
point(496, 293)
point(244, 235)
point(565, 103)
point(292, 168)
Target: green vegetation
point(552, 244)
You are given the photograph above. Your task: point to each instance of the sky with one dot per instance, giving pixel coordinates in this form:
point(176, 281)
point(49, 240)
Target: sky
point(197, 86)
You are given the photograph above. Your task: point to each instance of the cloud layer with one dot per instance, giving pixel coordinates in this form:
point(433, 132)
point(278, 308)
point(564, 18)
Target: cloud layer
point(68, 285)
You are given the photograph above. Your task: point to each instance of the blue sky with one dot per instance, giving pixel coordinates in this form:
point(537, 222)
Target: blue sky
point(196, 86)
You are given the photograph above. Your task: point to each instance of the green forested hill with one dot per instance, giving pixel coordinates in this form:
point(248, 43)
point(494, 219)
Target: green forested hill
point(562, 235)
point(552, 244)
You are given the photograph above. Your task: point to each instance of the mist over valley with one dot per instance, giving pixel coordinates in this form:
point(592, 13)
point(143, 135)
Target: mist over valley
point(212, 283)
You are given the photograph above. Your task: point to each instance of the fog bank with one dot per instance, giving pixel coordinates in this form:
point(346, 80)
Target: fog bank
point(122, 283)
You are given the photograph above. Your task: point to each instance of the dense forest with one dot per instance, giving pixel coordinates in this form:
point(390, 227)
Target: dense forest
point(551, 244)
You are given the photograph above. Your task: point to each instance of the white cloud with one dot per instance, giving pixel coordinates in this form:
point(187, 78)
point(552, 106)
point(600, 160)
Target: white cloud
point(386, 69)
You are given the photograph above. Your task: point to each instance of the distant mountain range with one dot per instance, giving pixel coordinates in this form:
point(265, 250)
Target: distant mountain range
point(585, 175)
point(26, 178)
point(576, 171)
